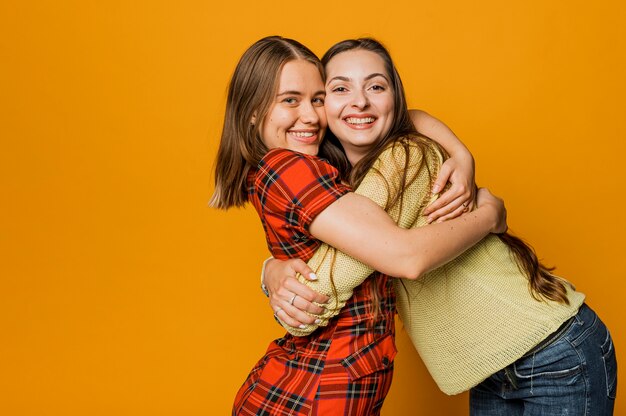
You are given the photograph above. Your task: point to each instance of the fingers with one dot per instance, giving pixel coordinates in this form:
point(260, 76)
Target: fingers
point(456, 195)
point(293, 302)
point(280, 278)
point(442, 178)
point(287, 319)
point(455, 213)
point(450, 207)
point(307, 306)
point(293, 316)
point(298, 296)
point(293, 286)
point(301, 267)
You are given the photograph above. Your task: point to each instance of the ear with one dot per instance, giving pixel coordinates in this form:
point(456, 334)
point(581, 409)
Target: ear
point(253, 119)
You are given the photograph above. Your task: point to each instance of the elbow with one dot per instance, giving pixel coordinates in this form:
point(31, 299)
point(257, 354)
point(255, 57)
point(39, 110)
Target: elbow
point(417, 117)
point(412, 269)
point(414, 275)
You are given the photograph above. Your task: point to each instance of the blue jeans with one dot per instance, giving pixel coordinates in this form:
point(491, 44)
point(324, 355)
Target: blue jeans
point(574, 374)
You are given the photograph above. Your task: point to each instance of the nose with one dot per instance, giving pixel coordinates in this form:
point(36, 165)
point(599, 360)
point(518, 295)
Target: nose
point(360, 100)
point(308, 114)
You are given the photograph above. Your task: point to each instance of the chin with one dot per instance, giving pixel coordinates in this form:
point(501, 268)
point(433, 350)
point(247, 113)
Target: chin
point(312, 150)
point(365, 142)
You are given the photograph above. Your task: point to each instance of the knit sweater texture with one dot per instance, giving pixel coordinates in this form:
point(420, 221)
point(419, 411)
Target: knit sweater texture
point(467, 319)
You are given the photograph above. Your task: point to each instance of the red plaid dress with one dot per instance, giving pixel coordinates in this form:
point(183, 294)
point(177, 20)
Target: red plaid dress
point(345, 368)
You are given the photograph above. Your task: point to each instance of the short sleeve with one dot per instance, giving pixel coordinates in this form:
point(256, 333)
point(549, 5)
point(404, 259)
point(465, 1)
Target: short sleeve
point(293, 188)
point(382, 182)
point(404, 163)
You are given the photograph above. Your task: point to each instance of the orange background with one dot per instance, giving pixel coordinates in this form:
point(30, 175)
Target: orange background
point(123, 294)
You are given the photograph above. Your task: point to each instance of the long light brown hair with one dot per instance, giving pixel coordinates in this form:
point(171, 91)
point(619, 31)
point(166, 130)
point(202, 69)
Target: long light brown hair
point(542, 283)
point(251, 91)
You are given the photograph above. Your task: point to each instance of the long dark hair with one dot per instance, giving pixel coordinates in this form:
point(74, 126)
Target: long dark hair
point(250, 93)
point(401, 127)
point(543, 284)
point(401, 124)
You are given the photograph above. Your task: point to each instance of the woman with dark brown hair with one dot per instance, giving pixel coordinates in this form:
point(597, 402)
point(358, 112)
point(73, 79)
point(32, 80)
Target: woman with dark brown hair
point(493, 320)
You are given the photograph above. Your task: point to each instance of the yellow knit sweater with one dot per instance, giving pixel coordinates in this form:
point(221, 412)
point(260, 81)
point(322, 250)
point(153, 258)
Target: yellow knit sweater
point(467, 319)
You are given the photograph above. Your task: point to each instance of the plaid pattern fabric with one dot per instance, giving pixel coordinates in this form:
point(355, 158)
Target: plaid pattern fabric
point(345, 368)
point(289, 190)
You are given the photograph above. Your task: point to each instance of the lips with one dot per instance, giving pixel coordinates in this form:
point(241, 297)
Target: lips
point(304, 136)
point(359, 121)
point(363, 120)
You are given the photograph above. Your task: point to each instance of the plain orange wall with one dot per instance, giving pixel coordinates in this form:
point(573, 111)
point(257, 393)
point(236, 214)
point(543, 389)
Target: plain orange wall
point(121, 293)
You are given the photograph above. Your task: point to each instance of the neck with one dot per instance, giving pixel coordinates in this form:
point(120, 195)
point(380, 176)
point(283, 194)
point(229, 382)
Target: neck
point(354, 154)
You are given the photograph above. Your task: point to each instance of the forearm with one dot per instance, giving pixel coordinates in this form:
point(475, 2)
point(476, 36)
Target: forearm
point(431, 246)
point(351, 225)
point(411, 253)
point(333, 269)
point(439, 132)
point(369, 239)
point(345, 278)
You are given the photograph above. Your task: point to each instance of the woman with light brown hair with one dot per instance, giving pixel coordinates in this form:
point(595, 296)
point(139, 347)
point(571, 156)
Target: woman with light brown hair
point(274, 124)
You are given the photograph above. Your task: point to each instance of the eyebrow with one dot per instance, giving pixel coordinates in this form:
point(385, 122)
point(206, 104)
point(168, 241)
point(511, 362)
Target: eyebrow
point(367, 78)
point(293, 92)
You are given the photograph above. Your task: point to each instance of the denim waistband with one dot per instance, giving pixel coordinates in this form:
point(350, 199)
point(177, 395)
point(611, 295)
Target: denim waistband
point(551, 338)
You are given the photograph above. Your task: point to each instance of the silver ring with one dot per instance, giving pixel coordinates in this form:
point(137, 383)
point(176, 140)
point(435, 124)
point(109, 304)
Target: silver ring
point(465, 204)
point(292, 299)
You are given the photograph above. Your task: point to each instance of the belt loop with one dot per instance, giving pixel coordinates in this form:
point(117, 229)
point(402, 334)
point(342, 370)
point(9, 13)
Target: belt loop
point(511, 375)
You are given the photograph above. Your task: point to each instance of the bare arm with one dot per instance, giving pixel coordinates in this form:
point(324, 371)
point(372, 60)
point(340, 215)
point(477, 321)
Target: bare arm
point(459, 170)
point(305, 313)
point(436, 130)
point(347, 272)
point(299, 302)
point(356, 226)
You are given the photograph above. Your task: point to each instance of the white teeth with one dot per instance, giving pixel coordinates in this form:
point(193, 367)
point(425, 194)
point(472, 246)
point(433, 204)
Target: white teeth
point(364, 120)
point(302, 133)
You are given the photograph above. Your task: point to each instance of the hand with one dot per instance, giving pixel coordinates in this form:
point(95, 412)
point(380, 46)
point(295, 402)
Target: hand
point(486, 198)
point(291, 300)
point(459, 198)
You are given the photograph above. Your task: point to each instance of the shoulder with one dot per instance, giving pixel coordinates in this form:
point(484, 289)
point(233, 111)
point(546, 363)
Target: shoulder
point(410, 152)
point(285, 160)
point(292, 172)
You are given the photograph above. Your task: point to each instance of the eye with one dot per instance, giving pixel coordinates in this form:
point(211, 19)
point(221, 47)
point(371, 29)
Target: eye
point(377, 87)
point(290, 100)
point(339, 89)
point(319, 101)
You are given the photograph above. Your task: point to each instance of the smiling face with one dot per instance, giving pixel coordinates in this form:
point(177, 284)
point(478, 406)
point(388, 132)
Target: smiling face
point(359, 101)
point(296, 118)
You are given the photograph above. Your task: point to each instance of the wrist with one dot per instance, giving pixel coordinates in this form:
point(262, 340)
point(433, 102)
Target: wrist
point(494, 218)
point(489, 216)
point(263, 287)
point(461, 152)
